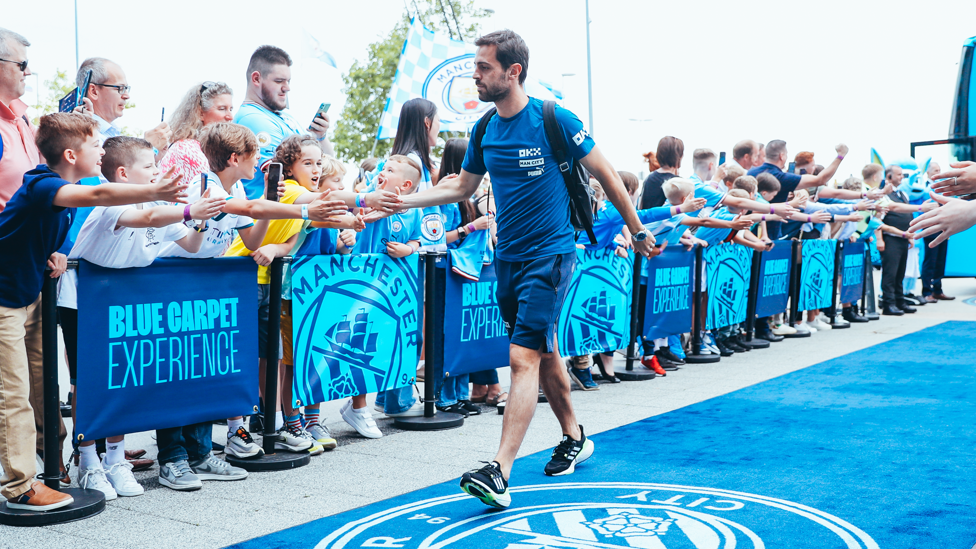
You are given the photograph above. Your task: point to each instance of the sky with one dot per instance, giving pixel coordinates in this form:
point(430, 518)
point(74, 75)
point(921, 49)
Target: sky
point(709, 72)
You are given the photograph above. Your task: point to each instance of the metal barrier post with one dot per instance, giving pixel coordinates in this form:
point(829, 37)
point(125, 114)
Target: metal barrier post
point(838, 272)
point(432, 420)
point(633, 349)
point(796, 272)
point(695, 356)
point(751, 303)
point(86, 503)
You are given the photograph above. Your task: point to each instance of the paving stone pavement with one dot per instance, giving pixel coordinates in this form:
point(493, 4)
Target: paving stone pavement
point(362, 471)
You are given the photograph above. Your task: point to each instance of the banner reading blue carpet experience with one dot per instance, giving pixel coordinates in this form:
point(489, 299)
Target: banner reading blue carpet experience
point(852, 275)
point(355, 324)
point(816, 274)
point(596, 314)
point(670, 286)
point(729, 268)
point(474, 333)
point(171, 344)
point(774, 279)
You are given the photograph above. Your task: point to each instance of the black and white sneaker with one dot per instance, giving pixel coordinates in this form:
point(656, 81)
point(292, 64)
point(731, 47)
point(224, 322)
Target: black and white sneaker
point(488, 485)
point(569, 454)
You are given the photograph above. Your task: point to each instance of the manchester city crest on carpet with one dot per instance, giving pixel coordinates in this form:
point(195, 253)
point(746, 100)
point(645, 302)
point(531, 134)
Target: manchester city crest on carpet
point(604, 515)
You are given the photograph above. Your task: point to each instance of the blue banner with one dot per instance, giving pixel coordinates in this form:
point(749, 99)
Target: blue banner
point(670, 287)
point(774, 279)
point(596, 314)
point(817, 274)
point(728, 267)
point(167, 345)
point(475, 338)
point(355, 324)
point(852, 275)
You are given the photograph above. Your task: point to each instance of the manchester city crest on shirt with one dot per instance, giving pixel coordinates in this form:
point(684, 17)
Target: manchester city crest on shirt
point(264, 139)
point(432, 227)
point(604, 516)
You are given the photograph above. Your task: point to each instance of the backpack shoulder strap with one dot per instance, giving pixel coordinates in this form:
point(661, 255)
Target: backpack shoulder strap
point(479, 132)
point(556, 139)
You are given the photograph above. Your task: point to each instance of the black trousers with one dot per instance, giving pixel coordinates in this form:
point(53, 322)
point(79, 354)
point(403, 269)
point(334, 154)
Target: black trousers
point(933, 266)
point(893, 261)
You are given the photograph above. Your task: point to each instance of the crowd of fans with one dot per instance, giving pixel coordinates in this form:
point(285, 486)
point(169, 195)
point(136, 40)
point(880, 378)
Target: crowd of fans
point(194, 186)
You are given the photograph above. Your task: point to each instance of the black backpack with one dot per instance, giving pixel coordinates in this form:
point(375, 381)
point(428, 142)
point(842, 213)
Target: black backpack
point(576, 178)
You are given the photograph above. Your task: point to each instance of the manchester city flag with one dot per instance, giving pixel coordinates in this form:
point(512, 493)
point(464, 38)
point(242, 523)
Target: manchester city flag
point(596, 314)
point(729, 269)
point(438, 68)
point(817, 274)
point(355, 325)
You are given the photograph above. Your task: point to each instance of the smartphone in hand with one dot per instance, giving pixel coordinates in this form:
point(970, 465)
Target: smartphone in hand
point(274, 177)
point(323, 109)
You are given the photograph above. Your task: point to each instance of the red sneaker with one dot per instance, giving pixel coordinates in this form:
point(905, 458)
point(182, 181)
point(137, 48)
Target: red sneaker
point(652, 364)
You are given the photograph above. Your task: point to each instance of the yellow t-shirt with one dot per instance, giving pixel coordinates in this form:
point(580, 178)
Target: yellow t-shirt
point(279, 230)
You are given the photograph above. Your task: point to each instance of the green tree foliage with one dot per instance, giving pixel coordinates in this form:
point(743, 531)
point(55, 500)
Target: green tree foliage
point(368, 83)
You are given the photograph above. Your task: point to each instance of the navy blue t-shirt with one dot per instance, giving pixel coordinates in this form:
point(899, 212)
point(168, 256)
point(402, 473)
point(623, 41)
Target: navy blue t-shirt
point(787, 184)
point(530, 193)
point(31, 229)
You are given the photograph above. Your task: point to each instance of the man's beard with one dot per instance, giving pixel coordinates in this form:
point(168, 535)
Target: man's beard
point(491, 94)
point(273, 102)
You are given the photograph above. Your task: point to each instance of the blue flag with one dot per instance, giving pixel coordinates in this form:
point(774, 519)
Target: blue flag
point(729, 268)
point(355, 325)
point(774, 279)
point(852, 276)
point(596, 314)
point(817, 275)
point(670, 287)
point(157, 351)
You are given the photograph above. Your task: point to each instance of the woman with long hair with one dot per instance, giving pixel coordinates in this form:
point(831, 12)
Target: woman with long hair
point(203, 104)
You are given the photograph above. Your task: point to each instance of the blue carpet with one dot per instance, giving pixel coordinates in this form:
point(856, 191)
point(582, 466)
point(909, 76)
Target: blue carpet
point(873, 449)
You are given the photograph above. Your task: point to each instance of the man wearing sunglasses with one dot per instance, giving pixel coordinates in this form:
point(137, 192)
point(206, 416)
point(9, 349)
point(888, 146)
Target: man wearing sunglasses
point(18, 153)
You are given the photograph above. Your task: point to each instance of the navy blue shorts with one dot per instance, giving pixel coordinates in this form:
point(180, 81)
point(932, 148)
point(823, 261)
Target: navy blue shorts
point(530, 296)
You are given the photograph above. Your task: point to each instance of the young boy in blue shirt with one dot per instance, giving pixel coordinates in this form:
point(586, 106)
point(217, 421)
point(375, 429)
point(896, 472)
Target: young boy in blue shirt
point(33, 226)
point(397, 236)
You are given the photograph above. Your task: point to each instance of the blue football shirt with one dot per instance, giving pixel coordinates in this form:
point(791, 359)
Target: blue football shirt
point(271, 128)
point(401, 228)
point(530, 193)
point(608, 223)
point(714, 235)
point(31, 229)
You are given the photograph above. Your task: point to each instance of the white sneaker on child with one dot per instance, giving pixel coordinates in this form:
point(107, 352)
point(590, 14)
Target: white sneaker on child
point(361, 420)
point(820, 325)
point(121, 478)
point(94, 479)
point(241, 445)
point(416, 410)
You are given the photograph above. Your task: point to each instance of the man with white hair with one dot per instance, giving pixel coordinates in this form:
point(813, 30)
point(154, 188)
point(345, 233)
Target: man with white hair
point(18, 153)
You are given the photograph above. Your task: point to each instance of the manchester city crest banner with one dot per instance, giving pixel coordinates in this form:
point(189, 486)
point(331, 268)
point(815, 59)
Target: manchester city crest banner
point(475, 338)
point(670, 286)
point(729, 267)
point(816, 274)
point(596, 314)
point(774, 279)
point(178, 353)
point(438, 68)
point(852, 275)
point(355, 324)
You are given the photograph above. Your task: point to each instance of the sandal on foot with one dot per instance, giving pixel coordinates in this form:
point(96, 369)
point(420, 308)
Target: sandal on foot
point(497, 399)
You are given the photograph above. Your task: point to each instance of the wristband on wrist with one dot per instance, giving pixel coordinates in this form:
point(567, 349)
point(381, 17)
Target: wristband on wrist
point(359, 200)
point(809, 218)
point(904, 234)
point(919, 207)
point(839, 157)
point(772, 211)
point(186, 213)
point(471, 228)
point(202, 227)
point(764, 217)
point(305, 211)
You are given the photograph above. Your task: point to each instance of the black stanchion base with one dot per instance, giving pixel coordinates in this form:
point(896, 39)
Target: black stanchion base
point(702, 359)
point(839, 326)
point(279, 461)
point(756, 343)
point(439, 422)
point(797, 335)
point(87, 503)
point(639, 373)
point(872, 316)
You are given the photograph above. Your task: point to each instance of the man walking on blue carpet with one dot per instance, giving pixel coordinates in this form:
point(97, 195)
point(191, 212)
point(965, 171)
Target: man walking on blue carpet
point(536, 252)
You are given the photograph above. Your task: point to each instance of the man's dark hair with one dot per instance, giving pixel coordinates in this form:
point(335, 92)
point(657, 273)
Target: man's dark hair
point(767, 183)
point(744, 147)
point(670, 149)
point(120, 152)
point(509, 49)
point(266, 57)
point(775, 148)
